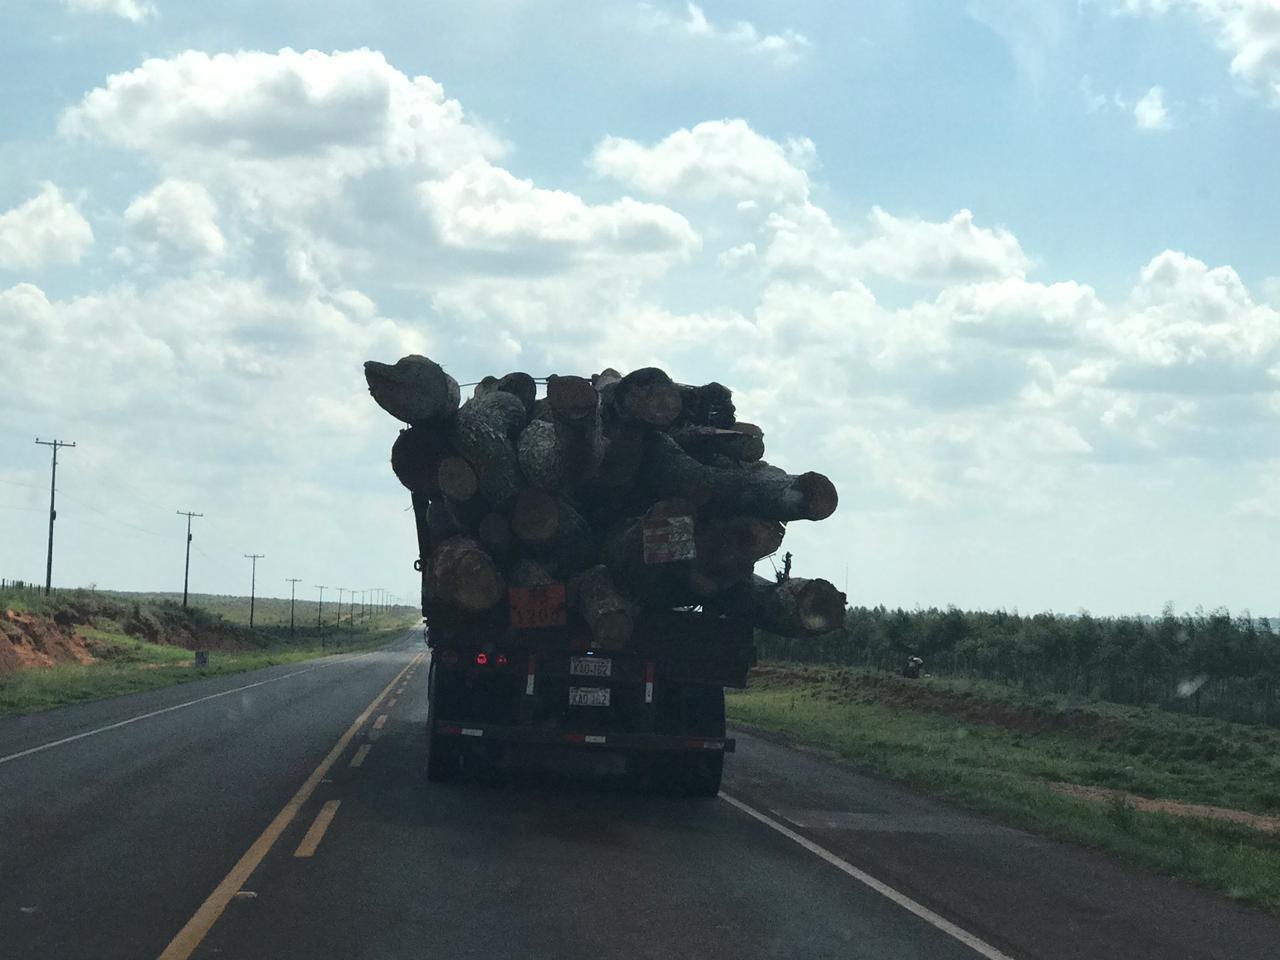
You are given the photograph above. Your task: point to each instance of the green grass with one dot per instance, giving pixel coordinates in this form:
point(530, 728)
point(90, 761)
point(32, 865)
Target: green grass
point(994, 751)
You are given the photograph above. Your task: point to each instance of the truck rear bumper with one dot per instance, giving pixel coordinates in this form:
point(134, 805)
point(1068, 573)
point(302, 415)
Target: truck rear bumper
point(610, 741)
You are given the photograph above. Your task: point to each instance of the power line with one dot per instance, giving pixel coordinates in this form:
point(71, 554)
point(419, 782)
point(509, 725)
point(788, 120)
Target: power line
point(55, 446)
point(186, 570)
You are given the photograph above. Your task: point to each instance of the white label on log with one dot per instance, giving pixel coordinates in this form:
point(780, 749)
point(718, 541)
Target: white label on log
point(668, 539)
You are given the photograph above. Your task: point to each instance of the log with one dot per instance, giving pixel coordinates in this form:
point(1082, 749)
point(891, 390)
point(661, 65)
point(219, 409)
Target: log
point(621, 455)
point(456, 480)
point(666, 583)
point(535, 516)
point(487, 385)
point(571, 548)
point(710, 445)
point(482, 433)
point(415, 456)
point(413, 389)
point(732, 545)
point(561, 454)
point(461, 575)
point(762, 491)
point(710, 405)
point(648, 396)
point(572, 398)
point(522, 387)
point(494, 534)
point(605, 611)
point(797, 607)
point(538, 452)
point(442, 523)
point(530, 573)
point(605, 377)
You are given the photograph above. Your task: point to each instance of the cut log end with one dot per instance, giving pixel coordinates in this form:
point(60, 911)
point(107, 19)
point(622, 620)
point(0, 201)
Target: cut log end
point(464, 576)
point(457, 479)
point(535, 516)
point(572, 398)
point(820, 497)
point(648, 396)
point(413, 389)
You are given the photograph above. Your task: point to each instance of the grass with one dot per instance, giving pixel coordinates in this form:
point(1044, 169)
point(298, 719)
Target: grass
point(992, 750)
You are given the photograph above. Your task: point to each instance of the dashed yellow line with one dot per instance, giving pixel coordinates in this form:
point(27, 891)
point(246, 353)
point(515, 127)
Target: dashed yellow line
point(358, 759)
point(184, 944)
point(319, 825)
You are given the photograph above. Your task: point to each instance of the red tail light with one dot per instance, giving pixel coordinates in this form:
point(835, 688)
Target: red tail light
point(502, 660)
point(481, 659)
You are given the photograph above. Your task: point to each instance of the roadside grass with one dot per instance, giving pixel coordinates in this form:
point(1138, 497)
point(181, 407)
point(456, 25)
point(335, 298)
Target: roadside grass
point(128, 665)
point(995, 751)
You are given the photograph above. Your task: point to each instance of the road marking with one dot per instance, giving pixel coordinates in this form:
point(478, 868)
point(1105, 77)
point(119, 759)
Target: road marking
point(392, 702)
point(358, 759)
point(177, 706)
point(184, 944)
point(319, 825)
point(380, 722)
point(974, 943)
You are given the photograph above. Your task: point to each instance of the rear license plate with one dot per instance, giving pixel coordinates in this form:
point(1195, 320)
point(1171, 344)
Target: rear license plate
point(590, 667)
point(589, 696)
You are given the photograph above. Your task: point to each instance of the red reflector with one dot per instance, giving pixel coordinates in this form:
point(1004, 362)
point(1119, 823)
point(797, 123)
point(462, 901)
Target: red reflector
point(481, 659)
point(452, 730)
point(648, 671)
point(575, 737)
point(502, 660)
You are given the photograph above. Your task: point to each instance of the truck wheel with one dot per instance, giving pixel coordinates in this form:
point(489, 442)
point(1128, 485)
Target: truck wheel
point(443, 758)
point(693, 774)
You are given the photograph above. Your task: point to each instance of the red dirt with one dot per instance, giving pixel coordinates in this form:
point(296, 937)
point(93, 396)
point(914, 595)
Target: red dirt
point(28, 641)
point(1172, 807)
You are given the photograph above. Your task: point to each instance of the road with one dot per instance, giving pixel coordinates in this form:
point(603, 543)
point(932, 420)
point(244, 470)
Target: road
point(283, 814)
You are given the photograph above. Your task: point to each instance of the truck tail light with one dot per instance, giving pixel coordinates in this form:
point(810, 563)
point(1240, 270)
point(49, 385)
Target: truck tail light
point(501, 660)
point(481, 659)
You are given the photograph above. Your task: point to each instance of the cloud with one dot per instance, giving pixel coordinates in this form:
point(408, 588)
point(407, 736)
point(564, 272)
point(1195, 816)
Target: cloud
point(1248, 30)
point(1150, 112)
point(176, 218)
point(133, 10)
point(953, 251)
point(45, 229)
point(783, 49)
point(714, 160)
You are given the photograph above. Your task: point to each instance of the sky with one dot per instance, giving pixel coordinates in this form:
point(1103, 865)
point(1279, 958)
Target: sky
point(1009, 273)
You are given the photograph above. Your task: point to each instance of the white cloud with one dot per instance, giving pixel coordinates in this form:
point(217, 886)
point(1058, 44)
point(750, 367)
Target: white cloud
point(177, 217)
point(1248, 30)
point(920, 251)
point(45, 229)
point(1150, 112)
point(782, 49)
point(717, 159)
point(134, 10)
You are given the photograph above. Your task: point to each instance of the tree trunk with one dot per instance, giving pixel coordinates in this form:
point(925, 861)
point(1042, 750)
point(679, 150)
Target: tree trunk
point(494, 533)
point(522, 387)
point(464, 577)
point(538, 451)
point(413, 389)
point(606, 376)
point(482, 434)
point(710, 405)
point(665, 583)
point(456, 479)
point(728, 547)
point(442, 523)
point(797, 607)
point(709, 445)
point(415, 457)
point(535, 516)
point(605, 611)
point(760, 490)
point(572, 398)
point(621, 456)
point(647, 396)
point(571, 548)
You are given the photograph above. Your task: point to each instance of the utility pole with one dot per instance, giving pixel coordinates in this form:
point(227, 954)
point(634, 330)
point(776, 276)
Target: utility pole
point(56, 445)
point(341, 591)
point(319, 614)
point(293, 585)
point(253, 583)
point(186, 569)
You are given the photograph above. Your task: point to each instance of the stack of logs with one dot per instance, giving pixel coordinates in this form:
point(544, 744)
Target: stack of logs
point(635, 491)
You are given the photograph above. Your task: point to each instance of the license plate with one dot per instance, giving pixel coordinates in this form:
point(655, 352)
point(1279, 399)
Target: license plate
point(589, 696)
point(590, 667)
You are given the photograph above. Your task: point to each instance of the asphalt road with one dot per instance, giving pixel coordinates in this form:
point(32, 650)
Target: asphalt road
point(283, 814)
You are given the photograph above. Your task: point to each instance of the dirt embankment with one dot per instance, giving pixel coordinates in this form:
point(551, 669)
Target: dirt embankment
point(35, 640)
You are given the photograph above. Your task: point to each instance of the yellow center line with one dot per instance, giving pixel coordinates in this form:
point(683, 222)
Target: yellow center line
point(319, 825)
point(182, 946)
point(380, 722)
point(358, 759)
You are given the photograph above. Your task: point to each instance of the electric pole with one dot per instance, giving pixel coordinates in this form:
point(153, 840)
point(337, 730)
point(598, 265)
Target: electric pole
point(55, 445)
point(293, 585)
point(319, 614)
point(186, 569)
point(253, 582)
point(341, 591)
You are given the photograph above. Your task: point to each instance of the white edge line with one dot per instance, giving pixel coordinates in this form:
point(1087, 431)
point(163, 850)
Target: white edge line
point(974, 943)
point(177, 706)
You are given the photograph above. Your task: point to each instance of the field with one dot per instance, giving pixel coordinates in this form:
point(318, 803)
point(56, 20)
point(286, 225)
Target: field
point(103, 644)
point(1195, 798)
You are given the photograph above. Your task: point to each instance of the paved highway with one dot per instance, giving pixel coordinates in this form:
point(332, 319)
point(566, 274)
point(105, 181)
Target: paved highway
point(283, 814)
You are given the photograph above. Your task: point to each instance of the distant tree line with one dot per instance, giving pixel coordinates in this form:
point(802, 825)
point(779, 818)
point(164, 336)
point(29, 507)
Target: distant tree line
point(1207, 663)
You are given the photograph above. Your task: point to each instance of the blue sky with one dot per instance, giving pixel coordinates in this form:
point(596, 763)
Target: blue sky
point(1007, 271)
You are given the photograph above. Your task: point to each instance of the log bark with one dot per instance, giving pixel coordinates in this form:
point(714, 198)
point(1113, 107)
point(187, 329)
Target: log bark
point(648, 396)
point(415, 457)
point(762, 491)
point(487, 385)
point(530, 573)
point(482, 433)
point(571, 548)
point(456, 479)
point(606, 376)
point(494, 534)
point(605, 611)
point(572, 398)
point(712, 444)
point(665, 584)
point(463, 576)
point(621, 455)
point(710, 405)
point(522, 387)
point(442, 523)
point(535, 516)
point(413, 389)
point(732, 545)
point(538, 452)
point(561, 454)
point(797, 607)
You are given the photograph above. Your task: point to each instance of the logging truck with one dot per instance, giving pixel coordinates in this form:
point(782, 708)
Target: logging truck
point(587, 562)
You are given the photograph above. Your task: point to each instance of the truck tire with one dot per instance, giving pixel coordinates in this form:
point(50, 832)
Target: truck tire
point(443, 758)
point(694, 774)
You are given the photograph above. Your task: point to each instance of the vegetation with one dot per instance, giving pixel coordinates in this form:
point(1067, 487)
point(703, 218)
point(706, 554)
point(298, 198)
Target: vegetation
point(1209, 664)
point(1005, 752)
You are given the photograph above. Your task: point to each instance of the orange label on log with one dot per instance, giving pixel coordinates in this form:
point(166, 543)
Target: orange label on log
point(539, 606)
point(668, 539)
